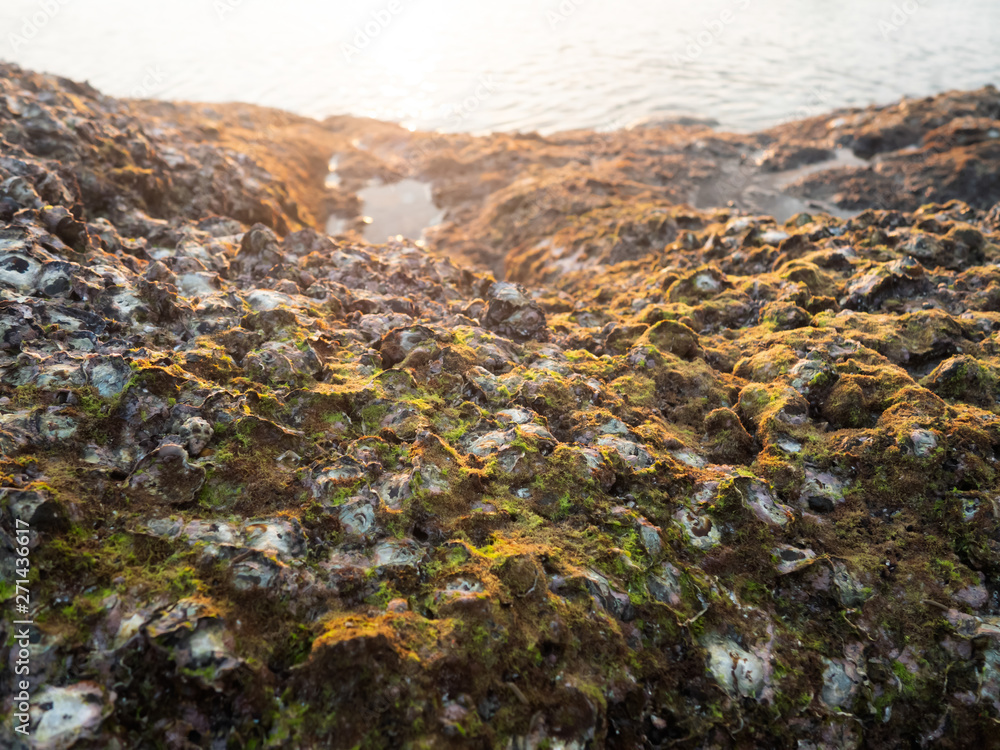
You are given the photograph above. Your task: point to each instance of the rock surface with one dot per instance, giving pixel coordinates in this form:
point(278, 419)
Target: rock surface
point(683, 478)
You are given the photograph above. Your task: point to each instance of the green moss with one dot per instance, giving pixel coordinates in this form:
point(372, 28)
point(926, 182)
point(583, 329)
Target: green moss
point(381, 598)
point(907, 679)
point(372, 416)
point(217, 493)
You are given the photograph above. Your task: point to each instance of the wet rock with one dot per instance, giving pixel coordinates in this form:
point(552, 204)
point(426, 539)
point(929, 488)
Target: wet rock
point(35, 508)
point(398, 343)
point(738, 672)
point(283, 538)
point(61, 717)
point(259, 252)
point(196, 640)
point(166, 476)
point(701, 532)
point(790, 559)
point(673, 337)
point(664, 584)
point(612, 600)
point(357, 517)
point(197, 434)
point(397, 553)
point(850, 591)
point(821, 491)
point(727, 441)
point(511, 313)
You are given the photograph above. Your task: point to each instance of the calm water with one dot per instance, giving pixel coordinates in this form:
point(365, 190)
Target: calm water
point(516, 64)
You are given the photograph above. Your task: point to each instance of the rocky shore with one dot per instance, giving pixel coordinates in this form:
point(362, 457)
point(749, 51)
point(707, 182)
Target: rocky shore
point(612, 459)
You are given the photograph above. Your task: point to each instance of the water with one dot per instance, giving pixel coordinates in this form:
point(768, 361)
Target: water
point(764, 192)
point(401, 208)
point(470, 65)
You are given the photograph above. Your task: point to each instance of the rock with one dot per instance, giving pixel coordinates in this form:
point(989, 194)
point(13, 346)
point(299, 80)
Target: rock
point(738, 672)
point(394, 553)
point(165, 476)
point(357, 518)
point(764, 505)
point(901, 278)
point(511, 313)
point(727, 441)
point(259, 252)
point(965, 378)
point(251, 456)
point(665, 585)
point(34, 509)
point(990, 678)
point(282, 538)
point(784, 316)
point(257, 572)
point(521, 575)
point(197, 434)
point(850, 591)
point(790, 559)
point(649, 535)
point(924, 442)
point(670, 336)
point(612, 600)
point(63, 716)
point(196, 639)
point(399, 342)
point(108, 375)
point(630, 452)
point(701, 532)
point(821, 492)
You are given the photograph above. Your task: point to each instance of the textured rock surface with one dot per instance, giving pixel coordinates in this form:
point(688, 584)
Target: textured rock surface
point(718, 481)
